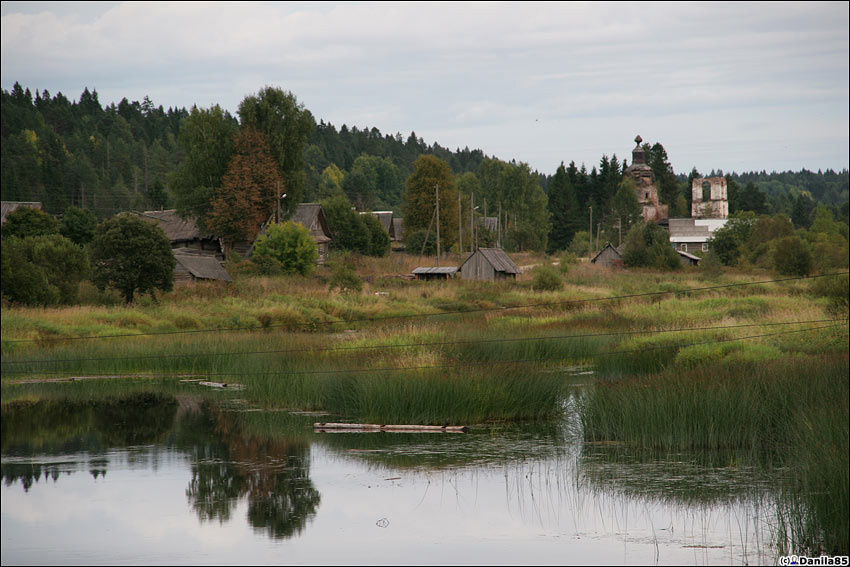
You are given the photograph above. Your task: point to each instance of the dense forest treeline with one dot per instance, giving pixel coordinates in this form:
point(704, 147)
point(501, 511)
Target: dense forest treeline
point(127, 156)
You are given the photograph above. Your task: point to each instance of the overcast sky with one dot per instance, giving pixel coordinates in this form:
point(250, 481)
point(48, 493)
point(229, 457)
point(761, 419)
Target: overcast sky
point(736, 87)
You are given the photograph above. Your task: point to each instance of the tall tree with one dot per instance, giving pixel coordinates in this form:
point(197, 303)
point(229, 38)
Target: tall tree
point(286, 126)
point(207, 141)
point(249, 190)
point(563, 206)
point(131, 255)
point(429, 173)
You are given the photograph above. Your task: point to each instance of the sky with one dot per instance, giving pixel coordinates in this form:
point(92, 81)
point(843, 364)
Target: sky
point(732, 87)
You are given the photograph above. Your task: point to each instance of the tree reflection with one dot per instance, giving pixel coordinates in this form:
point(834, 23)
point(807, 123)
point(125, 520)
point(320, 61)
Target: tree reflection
point(273, 473)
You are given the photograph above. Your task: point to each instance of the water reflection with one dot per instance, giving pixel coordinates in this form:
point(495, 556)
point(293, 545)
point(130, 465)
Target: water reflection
point(273, 473)
point(229, 463)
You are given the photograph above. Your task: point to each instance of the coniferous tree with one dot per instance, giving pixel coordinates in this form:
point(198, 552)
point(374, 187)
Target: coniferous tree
point(563, 208)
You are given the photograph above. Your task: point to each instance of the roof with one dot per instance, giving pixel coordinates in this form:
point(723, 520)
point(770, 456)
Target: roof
point(175, 227)
point(498, 259)
point(10, 206)
point(312, 216)
point(607, 245)
point(386, 218)
point(693, 230)
point(398, 227)
point(695, 259)
point(203, 267)
point(436, 270)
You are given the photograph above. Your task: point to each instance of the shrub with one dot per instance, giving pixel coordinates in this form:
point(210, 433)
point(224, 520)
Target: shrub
point(78, 225)
point(43, 270)
point(379, 239)
point(345, 278)
point(791, 256)
point(566, 260)
point(288, 246)
point(546, 278)
point(414, 240)
point(27, 221)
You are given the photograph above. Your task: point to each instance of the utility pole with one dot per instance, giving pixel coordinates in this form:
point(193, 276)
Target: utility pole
point(499, 227)
point(473, 242)
point(459, 229)
point(590, 231)
point(437, 188)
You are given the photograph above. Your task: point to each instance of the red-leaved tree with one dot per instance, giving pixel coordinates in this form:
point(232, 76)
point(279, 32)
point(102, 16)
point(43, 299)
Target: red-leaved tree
point(249, 190)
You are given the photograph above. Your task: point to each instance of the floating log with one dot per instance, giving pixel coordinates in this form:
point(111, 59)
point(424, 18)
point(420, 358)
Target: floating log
point(371, 427)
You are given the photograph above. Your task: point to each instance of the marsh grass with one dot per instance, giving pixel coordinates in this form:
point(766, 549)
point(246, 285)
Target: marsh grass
point(794, 410)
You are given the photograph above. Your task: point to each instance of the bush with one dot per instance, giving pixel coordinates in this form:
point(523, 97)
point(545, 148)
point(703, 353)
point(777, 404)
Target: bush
point(566, 260)
point(290, 246)
point(648, 246)
point(345, 278)
point(837, 290)
point(791, 256)
point(42, 270)
point(27, 221)
point(546, 278)
point(414, 240)
point(379, 239)
point(78, 225)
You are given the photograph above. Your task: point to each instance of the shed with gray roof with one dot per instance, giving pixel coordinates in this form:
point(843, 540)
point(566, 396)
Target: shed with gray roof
point(192, 267)
point(489, 264)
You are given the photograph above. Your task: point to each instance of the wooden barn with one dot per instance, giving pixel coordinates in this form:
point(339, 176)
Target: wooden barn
point(489, 264)
point(608, 257)
point(194, 267)
point(184, 234)
point(312, 216)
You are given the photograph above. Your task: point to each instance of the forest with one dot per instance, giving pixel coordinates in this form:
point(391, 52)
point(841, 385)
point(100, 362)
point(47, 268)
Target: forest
point(133, 155)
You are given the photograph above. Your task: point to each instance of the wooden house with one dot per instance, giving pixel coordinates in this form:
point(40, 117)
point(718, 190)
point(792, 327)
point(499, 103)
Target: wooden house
point(386, 220)
point(184, 234)
point(693, 235)
point(489, 264)
point(435, 273)
point(11, 206)
point(312, 216)
point(608, 257)
point(194, 267)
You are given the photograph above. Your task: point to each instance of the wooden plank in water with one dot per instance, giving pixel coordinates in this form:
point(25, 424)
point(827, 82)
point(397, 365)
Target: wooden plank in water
point(372, 427)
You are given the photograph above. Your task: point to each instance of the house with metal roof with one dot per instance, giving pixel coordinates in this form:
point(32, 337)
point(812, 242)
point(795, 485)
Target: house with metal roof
point(489, 264)
point(692, 235)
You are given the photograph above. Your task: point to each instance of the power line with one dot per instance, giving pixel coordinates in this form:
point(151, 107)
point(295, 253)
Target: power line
point(422, 315)
point(410, 345)
point(444, 366)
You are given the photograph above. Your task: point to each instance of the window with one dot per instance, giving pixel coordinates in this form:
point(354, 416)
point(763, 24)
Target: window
point(683, 247)
point(705, 246)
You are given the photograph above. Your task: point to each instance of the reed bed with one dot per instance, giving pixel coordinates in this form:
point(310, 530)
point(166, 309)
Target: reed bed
point(794, 410)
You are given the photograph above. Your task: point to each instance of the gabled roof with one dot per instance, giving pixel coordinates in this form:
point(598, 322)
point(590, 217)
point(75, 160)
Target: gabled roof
point(11, 206)
point(498, 259)
point(312, 216)
point(203, 267)
point(607, 245)
point(436, 270)
point(176, 229)
point(398, 227)
point(691, 257)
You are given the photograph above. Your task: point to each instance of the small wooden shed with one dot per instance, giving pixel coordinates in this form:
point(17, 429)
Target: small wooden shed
point(435, 273)
point(489, 264)
point(608, 256)
point(192, 267)
point(688, 259)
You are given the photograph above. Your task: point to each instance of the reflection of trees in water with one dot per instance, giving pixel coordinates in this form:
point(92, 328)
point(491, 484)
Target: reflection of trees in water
point(74, 427)
point(273, 473)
